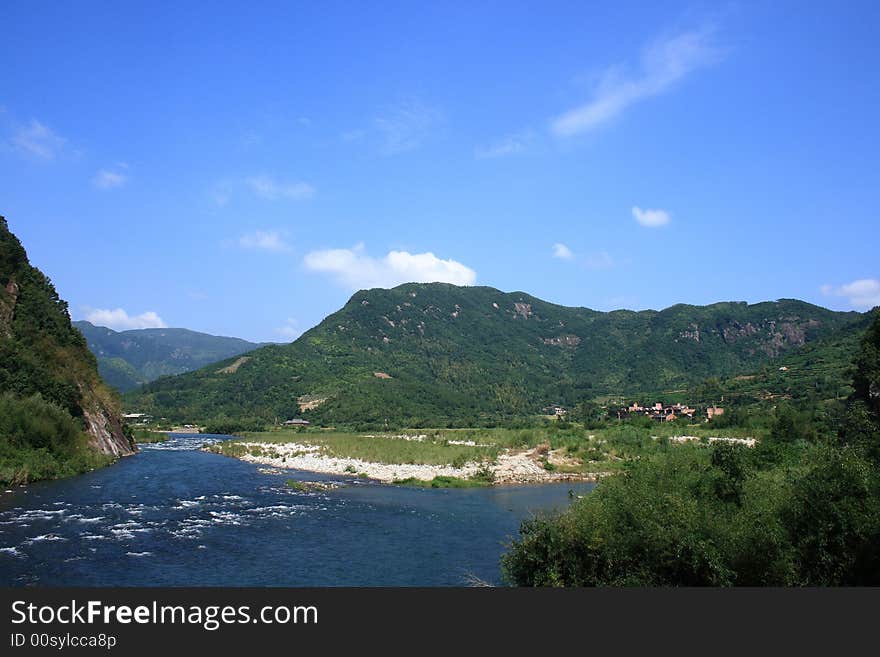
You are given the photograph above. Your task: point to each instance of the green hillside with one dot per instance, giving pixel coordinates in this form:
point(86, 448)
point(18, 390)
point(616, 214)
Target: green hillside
point(127, 359)
point(56, 415)
point(438, 354)
point(818, 371)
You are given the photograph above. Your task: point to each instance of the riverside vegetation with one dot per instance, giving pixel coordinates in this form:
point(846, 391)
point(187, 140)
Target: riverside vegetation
point(801, 508)
point(549, 450)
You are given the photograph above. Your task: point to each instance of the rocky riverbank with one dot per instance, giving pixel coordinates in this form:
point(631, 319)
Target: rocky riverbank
point(511, 466)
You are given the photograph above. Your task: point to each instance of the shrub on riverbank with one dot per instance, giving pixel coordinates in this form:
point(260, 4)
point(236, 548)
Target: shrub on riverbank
point(146, 436)
point(40, 440)
point(802, 508)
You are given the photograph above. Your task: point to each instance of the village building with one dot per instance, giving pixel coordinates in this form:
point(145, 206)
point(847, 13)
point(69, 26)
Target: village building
point(714, 411)
point(658, 411)
point(558, 411)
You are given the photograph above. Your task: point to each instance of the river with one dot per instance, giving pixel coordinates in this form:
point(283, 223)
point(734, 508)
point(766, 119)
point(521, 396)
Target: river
point(176, 516)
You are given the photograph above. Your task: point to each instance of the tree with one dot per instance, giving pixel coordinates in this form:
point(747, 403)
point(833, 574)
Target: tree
point(861, 427)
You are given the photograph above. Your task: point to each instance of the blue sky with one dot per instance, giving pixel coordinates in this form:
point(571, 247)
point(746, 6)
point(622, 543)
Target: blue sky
point(242, 170)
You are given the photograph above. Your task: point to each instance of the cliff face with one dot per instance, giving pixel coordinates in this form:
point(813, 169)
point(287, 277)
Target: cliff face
point(42, 353)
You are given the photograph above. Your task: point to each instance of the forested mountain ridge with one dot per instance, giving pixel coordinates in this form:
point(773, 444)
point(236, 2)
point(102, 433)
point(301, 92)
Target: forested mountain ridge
point(50, 390)
point(127, 359)
point(438, 353)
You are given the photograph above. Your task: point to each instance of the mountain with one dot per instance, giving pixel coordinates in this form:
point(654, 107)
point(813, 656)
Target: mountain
point(127, 359)
point(437, 354)
point(56, 414)
point(820, 370)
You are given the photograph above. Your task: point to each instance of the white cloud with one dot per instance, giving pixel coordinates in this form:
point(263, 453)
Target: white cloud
point(863, 293)
point(663, 63)
point(562, 252)
point(404, 127)
point(108, 179)
point(356, 270)
point(37, 140)
point(269, 188)
point(650, 218)
point(508, 145)
point(265, 240)
point(120, 320)
point(290, 330)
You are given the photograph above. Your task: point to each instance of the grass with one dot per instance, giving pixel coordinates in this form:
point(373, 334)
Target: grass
point(563, 447)
point(381, 448)
point(143, 436)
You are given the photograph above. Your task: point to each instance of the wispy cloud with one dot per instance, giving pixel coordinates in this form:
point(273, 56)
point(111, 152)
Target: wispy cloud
point(863, 293)
point(507, 145)
point(596, 260)
point(354, 269)
point(269, 188)
point(37, 140)
point(264, 240)
point(663, 63)
point(651, 218)
point(406, 126)
point(110, 178)
point(290, 330)
point(120, 320)
point(562, 252)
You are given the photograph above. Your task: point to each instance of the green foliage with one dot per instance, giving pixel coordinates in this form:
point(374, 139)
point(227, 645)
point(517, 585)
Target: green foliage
point(381, 448)
point(228, 426)
point(795, 511)
point(143, 435)
point(476, 356)
point(485, 475)
point(693, 517)
point(39, 440)
point(790, 426)
point(48, 377)
point(861, 426)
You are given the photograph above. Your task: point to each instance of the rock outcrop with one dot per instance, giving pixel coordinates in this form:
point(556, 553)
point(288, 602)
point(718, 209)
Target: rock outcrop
point(42, 353)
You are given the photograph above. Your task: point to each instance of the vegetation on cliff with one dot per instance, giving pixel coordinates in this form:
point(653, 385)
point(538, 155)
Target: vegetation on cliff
point(56, 415)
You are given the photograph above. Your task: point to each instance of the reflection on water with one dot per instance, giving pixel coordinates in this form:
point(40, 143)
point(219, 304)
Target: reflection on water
point(173, 515)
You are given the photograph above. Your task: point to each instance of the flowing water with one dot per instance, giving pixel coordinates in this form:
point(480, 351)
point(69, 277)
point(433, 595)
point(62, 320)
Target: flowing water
point(176, 516)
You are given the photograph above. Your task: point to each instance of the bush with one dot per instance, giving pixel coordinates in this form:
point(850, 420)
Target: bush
point(40, 440)
point(695, 517)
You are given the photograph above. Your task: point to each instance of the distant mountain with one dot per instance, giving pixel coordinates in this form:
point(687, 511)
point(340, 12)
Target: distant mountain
point(56, 415)
point(127, 359)
point(437, 354)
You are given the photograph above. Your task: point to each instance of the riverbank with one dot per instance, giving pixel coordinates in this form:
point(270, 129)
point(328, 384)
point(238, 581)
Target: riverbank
point(510, 466)
point(445, 458)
